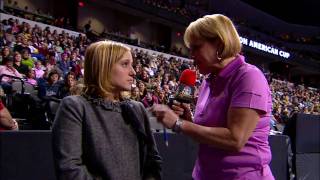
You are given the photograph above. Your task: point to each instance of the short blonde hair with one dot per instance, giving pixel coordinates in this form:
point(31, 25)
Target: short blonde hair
point(211, 27)
point(100, 57)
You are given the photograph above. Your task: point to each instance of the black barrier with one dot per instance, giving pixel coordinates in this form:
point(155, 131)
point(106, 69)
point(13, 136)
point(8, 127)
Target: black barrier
point(308, 166)
point(27, 155)
point(304, 132)
point(279, 164)
point(307, 133)
point(178, 157)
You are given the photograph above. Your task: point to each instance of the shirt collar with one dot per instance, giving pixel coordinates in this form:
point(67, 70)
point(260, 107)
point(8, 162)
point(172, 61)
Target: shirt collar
point(227, 71)
point(232, 66)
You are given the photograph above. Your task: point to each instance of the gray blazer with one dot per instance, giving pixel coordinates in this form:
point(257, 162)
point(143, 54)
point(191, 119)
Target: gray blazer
point(93, 139)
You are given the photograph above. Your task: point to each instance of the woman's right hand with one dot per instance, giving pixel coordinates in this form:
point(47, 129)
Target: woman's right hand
point(183, 110)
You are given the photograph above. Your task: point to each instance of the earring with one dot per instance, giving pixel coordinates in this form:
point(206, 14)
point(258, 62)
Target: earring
point(219, 58)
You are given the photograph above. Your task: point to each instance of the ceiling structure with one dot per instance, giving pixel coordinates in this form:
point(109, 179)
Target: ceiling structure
point(304, 12)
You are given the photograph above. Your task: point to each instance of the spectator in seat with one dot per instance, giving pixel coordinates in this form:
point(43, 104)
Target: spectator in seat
point(35, 52)
point(15, 27)
point(21, 68)
point(166, 89)
point(142, 89)
point(50, 89)
point(150, 99)
point(145, 76)
point(162, 98)
point(31, 78)
point(9, 36)
point(8, 69)
point(69, 83)
point(135, 94)
point(78, 69)
point(5, 53)
point(64, 64)
point(38, 69)
point(21, 44)
point(27, 59)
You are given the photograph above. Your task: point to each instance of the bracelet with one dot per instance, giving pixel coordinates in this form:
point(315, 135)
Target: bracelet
point(177, 126)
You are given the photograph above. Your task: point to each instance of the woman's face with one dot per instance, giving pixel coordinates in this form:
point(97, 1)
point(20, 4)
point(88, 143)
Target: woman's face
point(17, 58)
point(144, 74)
point(141, 86)
point(6, 51)
point(204, 55)
point(135, 91)
point(122, 73)
point(71, 81)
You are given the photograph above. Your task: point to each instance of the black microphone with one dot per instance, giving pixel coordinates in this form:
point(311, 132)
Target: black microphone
point(186, 88)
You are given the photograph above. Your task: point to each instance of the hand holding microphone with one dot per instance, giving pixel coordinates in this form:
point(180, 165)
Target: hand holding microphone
point(184, 96)
point(186, 88)
point(183, 110)
point(180, 103)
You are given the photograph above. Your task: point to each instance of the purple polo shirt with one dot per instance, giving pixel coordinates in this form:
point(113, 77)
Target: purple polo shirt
point(239, 84)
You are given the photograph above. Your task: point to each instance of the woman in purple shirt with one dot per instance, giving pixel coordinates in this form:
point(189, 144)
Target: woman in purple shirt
point(231, 121)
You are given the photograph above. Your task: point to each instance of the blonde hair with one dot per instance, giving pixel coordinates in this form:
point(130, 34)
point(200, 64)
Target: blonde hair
point(212, 27)
point(100, 57)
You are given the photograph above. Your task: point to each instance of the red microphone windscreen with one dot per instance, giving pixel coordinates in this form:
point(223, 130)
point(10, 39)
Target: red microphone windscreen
point(188, 77)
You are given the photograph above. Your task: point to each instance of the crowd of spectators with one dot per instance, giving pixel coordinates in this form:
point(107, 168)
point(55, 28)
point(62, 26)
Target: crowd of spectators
point(53, 64)
point(36, 15)
point(289, 98)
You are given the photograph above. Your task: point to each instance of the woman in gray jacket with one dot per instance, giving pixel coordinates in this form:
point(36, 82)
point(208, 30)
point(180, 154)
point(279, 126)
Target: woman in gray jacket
point(98, 135)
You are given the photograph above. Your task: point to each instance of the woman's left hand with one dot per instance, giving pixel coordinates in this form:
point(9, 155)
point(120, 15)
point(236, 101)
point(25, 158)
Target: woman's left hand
point(183, 110)
point(164, 115)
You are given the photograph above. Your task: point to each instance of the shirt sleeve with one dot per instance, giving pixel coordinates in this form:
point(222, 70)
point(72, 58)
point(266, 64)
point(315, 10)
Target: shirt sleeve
point(67, 141)
point(250, 90)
